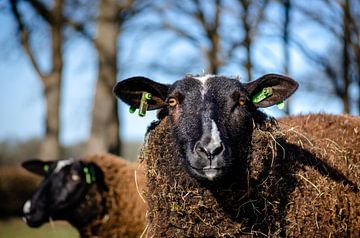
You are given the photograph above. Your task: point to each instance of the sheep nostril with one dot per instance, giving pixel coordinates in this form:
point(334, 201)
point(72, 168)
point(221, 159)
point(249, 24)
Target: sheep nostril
point(218, 150)
point(204, 152)
point(201, 150)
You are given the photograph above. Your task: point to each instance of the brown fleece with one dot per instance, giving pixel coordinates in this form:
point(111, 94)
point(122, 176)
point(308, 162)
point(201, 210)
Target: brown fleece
point(299, 181)
point(327, 202)
point(124, 210)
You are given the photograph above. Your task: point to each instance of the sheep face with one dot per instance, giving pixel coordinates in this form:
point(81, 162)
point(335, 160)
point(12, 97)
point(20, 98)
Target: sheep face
point(63, 188)
point(211, 116)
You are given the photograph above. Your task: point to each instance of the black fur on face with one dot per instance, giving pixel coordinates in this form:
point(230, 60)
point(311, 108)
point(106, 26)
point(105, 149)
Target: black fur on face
point(62, 190)
point(210, 132)
point(212, 117)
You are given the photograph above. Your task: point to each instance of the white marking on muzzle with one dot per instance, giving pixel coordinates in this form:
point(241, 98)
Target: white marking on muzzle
point(62, 163)
point(27, 206)
point(210, 174)
point(215, 141)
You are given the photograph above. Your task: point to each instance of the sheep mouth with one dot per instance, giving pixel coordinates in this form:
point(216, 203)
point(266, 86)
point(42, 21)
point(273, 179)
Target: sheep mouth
point(33, 220)
point(207, 168)
point(208, 173)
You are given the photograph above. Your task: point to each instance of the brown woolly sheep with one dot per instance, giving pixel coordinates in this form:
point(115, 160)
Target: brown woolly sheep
point(98, 195)
point(260, 179)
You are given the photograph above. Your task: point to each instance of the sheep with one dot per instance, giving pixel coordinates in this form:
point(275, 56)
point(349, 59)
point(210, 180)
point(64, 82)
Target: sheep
point(98, 195)
point(217, 166)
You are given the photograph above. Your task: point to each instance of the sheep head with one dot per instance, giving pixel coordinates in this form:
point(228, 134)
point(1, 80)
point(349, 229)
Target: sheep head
point(211, 116)
point(64, 187)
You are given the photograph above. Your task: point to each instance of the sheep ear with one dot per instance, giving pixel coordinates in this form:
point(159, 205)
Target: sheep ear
point(37, 166)
point(271, 89)
point(130, 91)
point(93, 174)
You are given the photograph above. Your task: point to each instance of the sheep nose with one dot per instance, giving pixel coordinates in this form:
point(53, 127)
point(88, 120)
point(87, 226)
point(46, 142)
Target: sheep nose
point(207, 151)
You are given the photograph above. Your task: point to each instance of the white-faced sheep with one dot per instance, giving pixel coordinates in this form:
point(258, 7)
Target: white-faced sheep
point(218, 167)
point(97, 194)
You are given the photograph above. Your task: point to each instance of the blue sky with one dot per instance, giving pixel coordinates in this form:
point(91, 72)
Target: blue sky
point(22, 107)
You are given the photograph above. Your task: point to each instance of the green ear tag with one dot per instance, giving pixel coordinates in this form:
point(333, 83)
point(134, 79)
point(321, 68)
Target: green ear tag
point(46, 167)
point(132, 109)
point(87, 175)
point(92, 172)
point(144, 103)
point(280, 105)
point(264, 94)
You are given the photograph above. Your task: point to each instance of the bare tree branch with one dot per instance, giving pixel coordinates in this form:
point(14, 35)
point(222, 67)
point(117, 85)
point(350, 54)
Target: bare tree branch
point(316, 17)
point(24, 37)
point(322, 61)
point(42, 11)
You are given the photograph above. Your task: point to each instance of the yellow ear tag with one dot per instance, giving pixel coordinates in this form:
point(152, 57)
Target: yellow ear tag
point(262, 95)
point(145, 97)
point(144, 103)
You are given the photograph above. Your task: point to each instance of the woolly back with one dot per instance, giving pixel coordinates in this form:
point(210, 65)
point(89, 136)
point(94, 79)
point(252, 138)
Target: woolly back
point(326, 195)
point(287, 178)
point(124, 210)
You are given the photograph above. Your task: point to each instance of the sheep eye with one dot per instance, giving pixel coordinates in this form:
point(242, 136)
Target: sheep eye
point(172, 102)
point(75, 177)
point(242, 101)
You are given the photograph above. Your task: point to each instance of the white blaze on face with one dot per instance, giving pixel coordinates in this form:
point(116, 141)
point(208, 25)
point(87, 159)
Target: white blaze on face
point(202, 80)
point(215, 141)
point(27, 206)
point(62, 163)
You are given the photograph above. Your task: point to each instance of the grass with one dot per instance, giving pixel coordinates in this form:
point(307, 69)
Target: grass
point(16, 228)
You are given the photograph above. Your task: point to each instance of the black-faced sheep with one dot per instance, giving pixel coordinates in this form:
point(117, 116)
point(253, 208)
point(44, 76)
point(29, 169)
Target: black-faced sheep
point(98, 195)
point(218, 167)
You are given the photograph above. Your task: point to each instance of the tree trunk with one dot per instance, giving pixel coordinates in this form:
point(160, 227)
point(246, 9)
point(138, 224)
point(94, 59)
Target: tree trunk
point(105, 120)
point(50, 147)
point(213, 54)
point(346, 56)
point(213, 35)
point(287, 9)
point(356, 50)
point(248, 38)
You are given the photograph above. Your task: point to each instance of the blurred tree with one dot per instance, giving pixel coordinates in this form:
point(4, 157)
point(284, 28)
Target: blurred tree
point(104, 135)
point(51, 78)
point(252, 15)
point(286, 48)
point(217, 28)
point(206, 18)
point(341, 19)
point(111, 20)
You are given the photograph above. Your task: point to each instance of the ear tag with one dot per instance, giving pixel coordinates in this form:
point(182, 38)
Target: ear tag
point(92, 172)
point(144, 103)
point(264, 94)
point(46, 168)
point(132, 109)
point(280, 105)
point(87, 175)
